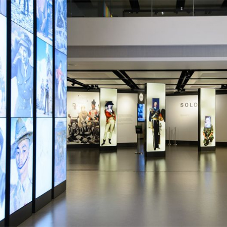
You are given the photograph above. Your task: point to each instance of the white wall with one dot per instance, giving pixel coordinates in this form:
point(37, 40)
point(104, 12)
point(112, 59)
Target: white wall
point(185, 118)
point(127, 118)
point(147, 31)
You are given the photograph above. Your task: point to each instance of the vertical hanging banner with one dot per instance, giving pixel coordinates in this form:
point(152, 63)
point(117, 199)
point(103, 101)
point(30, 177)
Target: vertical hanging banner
point(108, 117)
point(155, 119)
point(207, 137)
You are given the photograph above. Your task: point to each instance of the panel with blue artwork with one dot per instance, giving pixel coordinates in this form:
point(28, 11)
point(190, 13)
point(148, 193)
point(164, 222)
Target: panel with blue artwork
point(22, 72)
point(44, 79)
point(3, 66)
point(60, 84)
point(21, 163)
point(22, 13)
point(61, 25)
point(2, 166)
point(3, 7)
point(44, 20)
point(60, 151)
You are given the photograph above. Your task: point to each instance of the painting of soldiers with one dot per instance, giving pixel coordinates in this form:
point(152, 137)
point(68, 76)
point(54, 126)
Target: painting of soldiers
point(208, 131)
point(44, 79)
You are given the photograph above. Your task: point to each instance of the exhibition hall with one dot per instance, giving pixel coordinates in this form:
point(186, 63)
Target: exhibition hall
point(112, 113)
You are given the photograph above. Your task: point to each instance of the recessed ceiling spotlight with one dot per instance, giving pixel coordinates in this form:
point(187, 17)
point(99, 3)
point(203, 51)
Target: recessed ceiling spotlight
point(181, 8)
point(162, 13)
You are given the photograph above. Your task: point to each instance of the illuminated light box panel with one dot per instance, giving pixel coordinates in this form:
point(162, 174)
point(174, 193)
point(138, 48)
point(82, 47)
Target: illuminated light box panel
point(108, 118)
point(155, 119)
point(206, 124)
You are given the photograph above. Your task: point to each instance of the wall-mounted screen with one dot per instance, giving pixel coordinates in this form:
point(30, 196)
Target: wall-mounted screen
point(3, 66)
point(44, 79)
point(43, 156)
point(3, 7)
point(22, 13)
point(83, 117)
point(108, 117)
point(141, 112)
point(155, 117)
point(60, 84)
point(2, 166)
point(207, 117)
point(21, 163)
point(61, 25)
point(60, 151)
point(44, 20)
point(22, 72)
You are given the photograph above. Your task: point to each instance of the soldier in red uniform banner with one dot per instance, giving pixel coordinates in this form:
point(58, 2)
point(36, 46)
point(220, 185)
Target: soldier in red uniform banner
point(110, 121)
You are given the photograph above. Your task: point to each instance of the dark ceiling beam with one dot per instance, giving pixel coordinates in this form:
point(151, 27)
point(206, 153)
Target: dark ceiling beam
point(180, 4)
point(224, 4)
point(135, 5)
point(183, 80)
point(129, 79)
point(74, 81)
point(120, 76)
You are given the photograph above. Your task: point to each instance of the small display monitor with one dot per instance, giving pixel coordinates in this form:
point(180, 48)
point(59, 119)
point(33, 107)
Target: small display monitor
point(141, 112)
point(207, 122)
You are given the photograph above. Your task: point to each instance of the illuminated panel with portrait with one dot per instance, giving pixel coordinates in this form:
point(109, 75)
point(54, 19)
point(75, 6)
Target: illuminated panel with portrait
point(43, 156)
point(61, 25)
point(155, 120)
point(60, 84)
point(2, 166)
point(108, 117)
point(83, 118)
point(141, 112)
point(44, 79)
point(44, 20)
point(60, 151)
point(22, 13)
point(21, 72)
point(21, 163)
point(207, 136)
point(3, 66)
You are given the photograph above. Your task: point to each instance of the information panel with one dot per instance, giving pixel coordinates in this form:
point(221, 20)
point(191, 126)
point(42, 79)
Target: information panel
point(108, 117)
point(21, 163)
point(207, 101)
point(155, 120)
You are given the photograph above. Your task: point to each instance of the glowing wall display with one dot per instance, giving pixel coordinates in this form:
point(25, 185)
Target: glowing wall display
point(60, 151)
point(155, 122)
point(60, 84)
point(21, 163)
point(61, 25)
point(108, 117)
point(44, 79)
point(43, 156)
point(44, 20)
point(141, 112)
point(207, 117)
point(3, 7)
point(2, 166)
point(83, 117)
point(22, 13)
point(22, 72)
point(3, 66)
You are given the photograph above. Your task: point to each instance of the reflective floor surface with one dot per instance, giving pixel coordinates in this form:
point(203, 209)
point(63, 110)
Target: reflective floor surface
point(123, 189)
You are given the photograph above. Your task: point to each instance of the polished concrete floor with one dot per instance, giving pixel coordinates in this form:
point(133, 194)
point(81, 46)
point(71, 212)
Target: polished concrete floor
point(123, 189)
